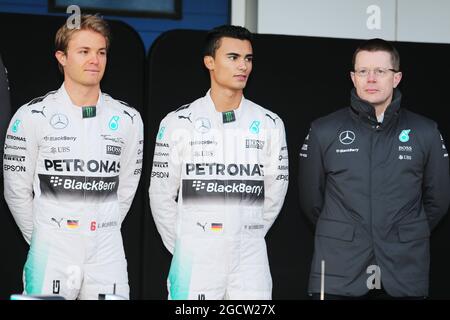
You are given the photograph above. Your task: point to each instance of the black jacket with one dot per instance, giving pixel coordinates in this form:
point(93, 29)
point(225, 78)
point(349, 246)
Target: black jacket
point(374, 191)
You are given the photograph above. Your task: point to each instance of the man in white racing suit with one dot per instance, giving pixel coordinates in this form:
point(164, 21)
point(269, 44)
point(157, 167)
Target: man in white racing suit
point(219, 178)
point(72, 164)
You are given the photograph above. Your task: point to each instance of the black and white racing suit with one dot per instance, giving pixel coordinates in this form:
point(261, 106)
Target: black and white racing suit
point(217, 185)
point(70, 177)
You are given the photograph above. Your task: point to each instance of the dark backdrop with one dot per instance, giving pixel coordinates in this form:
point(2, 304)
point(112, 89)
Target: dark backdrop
point(300, 78)
point(5, 105)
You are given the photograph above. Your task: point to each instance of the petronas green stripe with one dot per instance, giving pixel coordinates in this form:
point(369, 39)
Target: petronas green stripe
point(35, 266)
point(180, 275)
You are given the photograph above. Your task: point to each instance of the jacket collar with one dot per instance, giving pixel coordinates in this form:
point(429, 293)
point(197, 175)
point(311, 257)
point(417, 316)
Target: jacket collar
point(64, 96)
point(220, 115)
point(366, 112)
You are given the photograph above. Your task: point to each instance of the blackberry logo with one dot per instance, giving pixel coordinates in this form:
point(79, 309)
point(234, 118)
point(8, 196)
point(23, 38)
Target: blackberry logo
point(236, 192)
point(79, 187)
point(198, 185)
point(56, 181)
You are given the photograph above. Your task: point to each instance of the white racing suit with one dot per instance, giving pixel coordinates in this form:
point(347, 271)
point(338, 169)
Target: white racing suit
point(217, 185)
point(70, 177)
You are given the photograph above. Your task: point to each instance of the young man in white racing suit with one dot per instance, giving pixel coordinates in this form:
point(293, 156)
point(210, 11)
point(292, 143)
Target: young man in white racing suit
point(72, 165)
point(219, 178)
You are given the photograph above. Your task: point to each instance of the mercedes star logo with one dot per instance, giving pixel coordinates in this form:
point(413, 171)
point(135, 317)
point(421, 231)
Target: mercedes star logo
point(347, 137)
point(202, 125)
point(59, 121)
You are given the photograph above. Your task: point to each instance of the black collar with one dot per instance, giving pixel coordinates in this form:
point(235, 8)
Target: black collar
point(366, 112)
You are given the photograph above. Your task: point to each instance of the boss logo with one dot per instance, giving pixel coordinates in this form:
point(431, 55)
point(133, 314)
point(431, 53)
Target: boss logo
point(114, 150)
point(254, 144)
point(405, 148)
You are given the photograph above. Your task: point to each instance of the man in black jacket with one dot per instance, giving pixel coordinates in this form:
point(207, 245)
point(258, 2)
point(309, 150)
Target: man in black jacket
point(374, 180)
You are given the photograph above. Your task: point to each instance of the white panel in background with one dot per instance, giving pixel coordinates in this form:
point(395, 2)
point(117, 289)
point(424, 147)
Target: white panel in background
point(238, 12)
point(424, 21)
point(244, 13)
point(326, 18)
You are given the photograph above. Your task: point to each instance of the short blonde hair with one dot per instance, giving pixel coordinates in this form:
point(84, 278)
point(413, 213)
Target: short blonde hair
point(87, 22)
